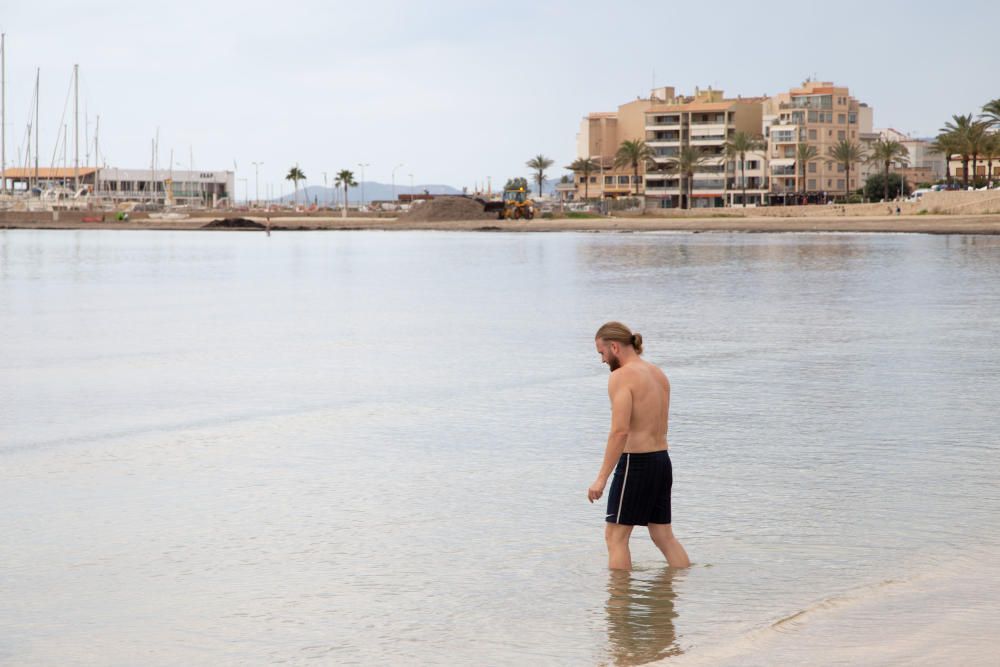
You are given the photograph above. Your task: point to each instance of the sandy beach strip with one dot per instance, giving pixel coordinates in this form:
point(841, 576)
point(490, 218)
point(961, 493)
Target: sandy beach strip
point(948, 615)
point(917, 224)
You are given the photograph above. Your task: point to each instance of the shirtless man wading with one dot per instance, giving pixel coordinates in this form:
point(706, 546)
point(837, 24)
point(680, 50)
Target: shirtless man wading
point(636, 451)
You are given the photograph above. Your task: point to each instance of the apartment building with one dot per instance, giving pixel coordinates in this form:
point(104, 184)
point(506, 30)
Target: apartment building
point(818, 114)
point(601, 134)
point(706, 121)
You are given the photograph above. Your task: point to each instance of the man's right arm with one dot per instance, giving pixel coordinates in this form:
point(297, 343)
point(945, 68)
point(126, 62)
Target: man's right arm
point(621, 419)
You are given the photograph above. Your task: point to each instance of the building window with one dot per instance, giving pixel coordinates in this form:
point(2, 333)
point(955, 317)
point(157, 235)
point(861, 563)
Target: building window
point(583, 179)
point(829, 182)
point(852, 118)
point(813, 116)
point(593, 179)
point(812, 135)
point(623, 180)
point(753, 164)
point(841, 118)
point(609, 180)
point(812, 167)
point(812, 183)
point(841, 135)
point(840, 167)
point(840, 184)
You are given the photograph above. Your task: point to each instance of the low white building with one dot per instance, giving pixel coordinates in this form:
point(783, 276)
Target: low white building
point(166, 186)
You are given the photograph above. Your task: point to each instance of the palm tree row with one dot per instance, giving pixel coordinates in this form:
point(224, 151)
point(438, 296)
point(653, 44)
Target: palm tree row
point(971, 139)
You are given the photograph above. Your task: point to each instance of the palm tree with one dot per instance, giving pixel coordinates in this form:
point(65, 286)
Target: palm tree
point(686, 163)
point(345, 178)
point(804, 154)
point(960, 128)
point(977, 137)
point(295, 175)
point(946, 144)
point(539, 163)
point(846, 152)
point(991, 112)
point(885, 152)
point(739, 145)
point(584, 165)
point(632, 153)
point(991, 151)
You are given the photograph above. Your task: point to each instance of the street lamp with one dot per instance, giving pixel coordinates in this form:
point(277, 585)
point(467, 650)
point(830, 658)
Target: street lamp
point(363, 165)
point(394, 180)
point(256, 183)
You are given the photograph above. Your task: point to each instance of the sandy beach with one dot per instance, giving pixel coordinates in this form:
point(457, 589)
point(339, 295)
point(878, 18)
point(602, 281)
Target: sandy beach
point(916, 224)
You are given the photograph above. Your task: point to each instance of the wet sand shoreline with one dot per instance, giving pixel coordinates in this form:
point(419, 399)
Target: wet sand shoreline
point(914, 224)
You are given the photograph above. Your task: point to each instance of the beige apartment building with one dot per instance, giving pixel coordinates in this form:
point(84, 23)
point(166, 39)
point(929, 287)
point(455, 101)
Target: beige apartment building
point(706, 121)
point(668, 122)
point(818, 114)
point(600, 136)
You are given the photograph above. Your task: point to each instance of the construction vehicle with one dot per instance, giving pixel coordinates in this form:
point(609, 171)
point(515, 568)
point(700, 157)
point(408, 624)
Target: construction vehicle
point(515, 205)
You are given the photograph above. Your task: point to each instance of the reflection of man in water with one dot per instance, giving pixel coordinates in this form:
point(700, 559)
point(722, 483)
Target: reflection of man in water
point(641, 617)
point(643, 476)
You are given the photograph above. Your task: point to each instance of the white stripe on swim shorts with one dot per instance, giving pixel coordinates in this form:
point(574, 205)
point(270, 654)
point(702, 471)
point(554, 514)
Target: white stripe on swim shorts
point(621, 497)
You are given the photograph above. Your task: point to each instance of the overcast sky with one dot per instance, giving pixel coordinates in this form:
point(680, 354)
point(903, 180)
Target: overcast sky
point(457, 91)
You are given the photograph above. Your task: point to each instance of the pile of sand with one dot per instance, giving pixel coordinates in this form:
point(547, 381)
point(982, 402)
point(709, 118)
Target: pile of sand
point(447, 208)
point(233, 223)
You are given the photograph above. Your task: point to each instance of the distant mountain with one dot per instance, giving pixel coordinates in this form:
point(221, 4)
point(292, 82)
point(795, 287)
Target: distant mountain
point(373, 191)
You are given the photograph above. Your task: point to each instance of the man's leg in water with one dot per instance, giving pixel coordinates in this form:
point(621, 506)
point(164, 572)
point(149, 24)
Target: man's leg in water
point(616, 535)
point(663, 538)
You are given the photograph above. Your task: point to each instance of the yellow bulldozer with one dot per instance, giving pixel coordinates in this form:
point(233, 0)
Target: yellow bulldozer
point(515, 205)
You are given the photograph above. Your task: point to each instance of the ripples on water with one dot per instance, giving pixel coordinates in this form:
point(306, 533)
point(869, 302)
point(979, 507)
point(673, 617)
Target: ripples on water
point(374, 447)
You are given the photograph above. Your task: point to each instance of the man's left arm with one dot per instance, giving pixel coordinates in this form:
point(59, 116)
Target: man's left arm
point(621, 418)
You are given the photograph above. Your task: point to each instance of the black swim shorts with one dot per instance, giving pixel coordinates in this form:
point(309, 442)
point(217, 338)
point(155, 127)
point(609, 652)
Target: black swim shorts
point(640, 489)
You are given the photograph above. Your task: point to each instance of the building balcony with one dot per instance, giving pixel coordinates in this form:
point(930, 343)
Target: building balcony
point(783, 171)
point(662, 192)
point(663, 121)
point(714, 184)
point(663, 142)
point(706, 139)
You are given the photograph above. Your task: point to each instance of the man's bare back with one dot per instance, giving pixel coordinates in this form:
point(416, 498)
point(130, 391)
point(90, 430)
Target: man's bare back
point(650, 394)
point(636, 450)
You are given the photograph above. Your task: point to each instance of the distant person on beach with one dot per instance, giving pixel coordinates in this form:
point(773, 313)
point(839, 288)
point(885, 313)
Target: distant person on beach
point(636, 451)
point(267, 228)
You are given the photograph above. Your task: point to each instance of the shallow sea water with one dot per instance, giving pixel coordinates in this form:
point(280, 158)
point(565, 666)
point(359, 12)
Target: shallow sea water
point(374, 447)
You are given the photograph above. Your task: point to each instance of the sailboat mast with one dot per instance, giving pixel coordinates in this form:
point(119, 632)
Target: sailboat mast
point(97, 158)
point(76, 128)
point(38, 74)
point(3, 113)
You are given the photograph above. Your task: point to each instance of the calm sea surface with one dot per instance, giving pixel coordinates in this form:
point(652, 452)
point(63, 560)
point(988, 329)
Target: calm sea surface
point(363, 447)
